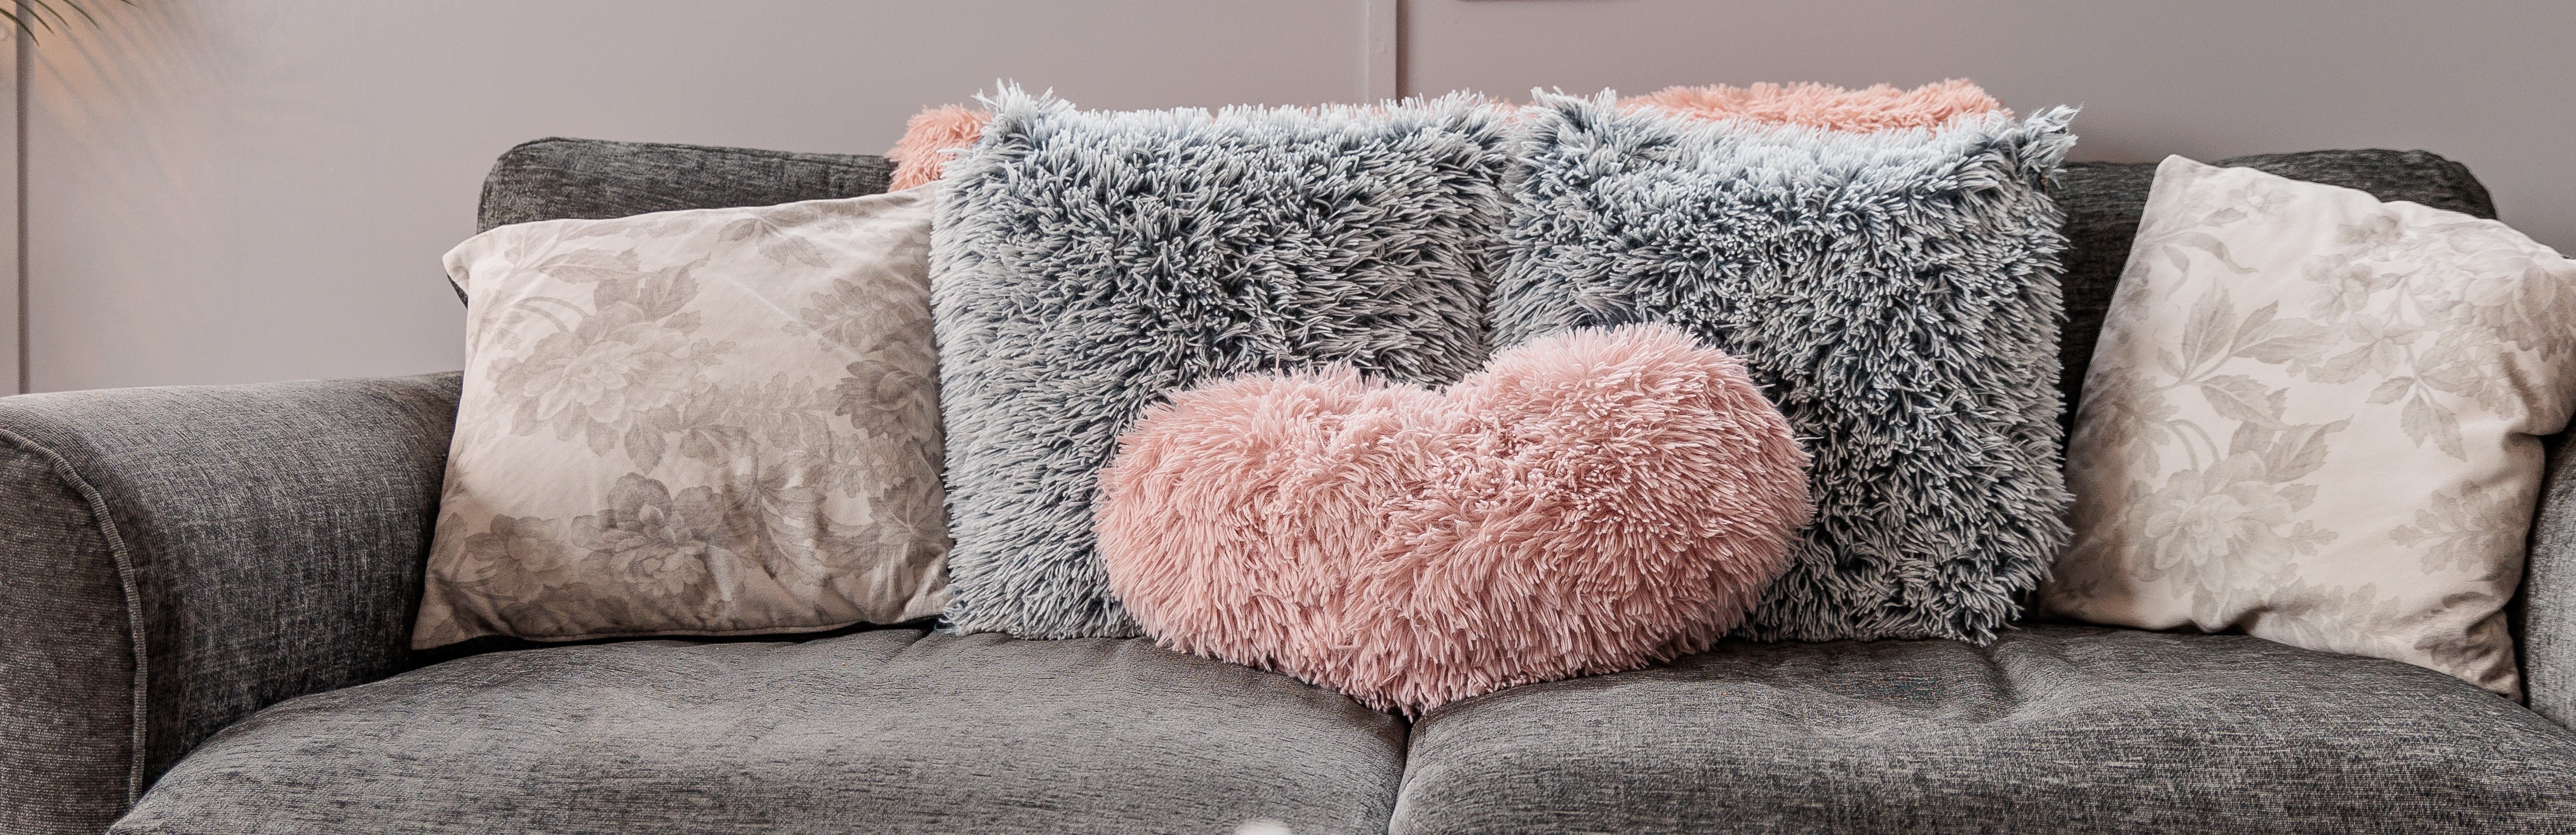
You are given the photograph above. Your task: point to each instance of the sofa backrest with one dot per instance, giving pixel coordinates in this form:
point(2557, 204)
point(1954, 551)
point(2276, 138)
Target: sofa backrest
point(2103, 201)
point(550, 179)
point(587, 178)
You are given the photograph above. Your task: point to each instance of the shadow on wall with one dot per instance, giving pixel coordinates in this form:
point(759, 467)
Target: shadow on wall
point(131, 53)
point(86, 77)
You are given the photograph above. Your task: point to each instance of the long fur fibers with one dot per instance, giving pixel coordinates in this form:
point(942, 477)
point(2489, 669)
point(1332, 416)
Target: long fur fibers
point(1896, 292)
point(1084, 265)
point(931, 138)
point(938, 134)
point(1590, 502)
point(1876, 107)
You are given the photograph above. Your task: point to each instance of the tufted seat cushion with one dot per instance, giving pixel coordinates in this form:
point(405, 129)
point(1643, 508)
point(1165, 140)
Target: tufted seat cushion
point(2050, 729)
point(885, 731)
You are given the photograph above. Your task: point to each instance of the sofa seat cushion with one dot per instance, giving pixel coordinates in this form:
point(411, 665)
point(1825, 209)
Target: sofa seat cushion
point(2048, 730)
point(884, 731)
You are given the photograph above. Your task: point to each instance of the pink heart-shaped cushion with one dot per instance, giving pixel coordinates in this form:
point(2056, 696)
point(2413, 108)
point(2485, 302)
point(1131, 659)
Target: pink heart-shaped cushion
point(1591, 502)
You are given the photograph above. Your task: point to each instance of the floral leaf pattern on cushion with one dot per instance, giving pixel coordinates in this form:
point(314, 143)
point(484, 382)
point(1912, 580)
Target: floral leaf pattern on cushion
point(2462, 526)
point(694, 423)
point(2314, 417)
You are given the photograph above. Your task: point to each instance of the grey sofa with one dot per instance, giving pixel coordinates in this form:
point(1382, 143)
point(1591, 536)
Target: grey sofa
point(205, 598)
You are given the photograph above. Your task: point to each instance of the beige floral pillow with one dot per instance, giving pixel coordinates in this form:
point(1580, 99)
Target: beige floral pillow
point(2315, 417)
point(706, 422)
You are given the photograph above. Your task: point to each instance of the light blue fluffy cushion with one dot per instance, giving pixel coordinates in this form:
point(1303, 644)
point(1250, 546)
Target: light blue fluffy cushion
point(1897, 292)
point(1086, 264)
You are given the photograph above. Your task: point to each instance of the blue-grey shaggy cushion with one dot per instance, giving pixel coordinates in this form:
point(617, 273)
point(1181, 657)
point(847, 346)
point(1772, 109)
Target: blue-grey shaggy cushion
point(1086, 264)
point(1896, 292)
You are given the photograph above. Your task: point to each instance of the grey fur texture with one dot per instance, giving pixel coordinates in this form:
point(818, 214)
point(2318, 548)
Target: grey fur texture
point(1086, 264)
point(1897, 293)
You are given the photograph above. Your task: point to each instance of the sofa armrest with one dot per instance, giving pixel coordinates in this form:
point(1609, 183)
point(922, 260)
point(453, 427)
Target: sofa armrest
point(172, 559)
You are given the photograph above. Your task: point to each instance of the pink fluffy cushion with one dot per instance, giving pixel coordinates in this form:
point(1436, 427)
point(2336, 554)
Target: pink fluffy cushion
point(937, 134)
point(1878, 107)
point(930, 139)
point(1590, 502)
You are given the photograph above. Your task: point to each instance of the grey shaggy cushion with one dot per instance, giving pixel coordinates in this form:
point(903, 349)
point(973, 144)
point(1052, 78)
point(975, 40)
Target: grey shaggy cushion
point(1897, 293)
point(1086, 264)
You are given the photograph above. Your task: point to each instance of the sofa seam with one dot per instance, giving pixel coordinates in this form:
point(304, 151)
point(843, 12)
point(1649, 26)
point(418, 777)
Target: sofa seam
point(128, 579)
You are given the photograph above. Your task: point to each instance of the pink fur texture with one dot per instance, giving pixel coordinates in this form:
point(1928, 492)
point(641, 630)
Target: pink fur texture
point(1590, 502)
point(936, 134)
point(1879, 107)
point(930, 138)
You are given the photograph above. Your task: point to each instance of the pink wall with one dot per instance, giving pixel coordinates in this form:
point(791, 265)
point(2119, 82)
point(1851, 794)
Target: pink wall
point(239, 190)
point(261, 189)
point(2491, 83)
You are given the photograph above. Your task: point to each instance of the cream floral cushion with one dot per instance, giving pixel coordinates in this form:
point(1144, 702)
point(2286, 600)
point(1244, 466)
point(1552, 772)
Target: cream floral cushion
point(2315, 417)
point(703, 422)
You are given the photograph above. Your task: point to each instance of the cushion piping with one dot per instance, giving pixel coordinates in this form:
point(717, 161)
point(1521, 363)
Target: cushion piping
point(126, 578)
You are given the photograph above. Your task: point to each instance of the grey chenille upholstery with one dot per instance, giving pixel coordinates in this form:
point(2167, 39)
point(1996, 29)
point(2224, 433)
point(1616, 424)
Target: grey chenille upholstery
point(172, 560)
point(556, 178)
point(2546, 632)
point(587, 178)
point(2052, 729)
point(2104, 200)
point(891, 731)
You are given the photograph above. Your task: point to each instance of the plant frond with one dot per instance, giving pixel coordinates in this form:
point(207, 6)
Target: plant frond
point(33, 16)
